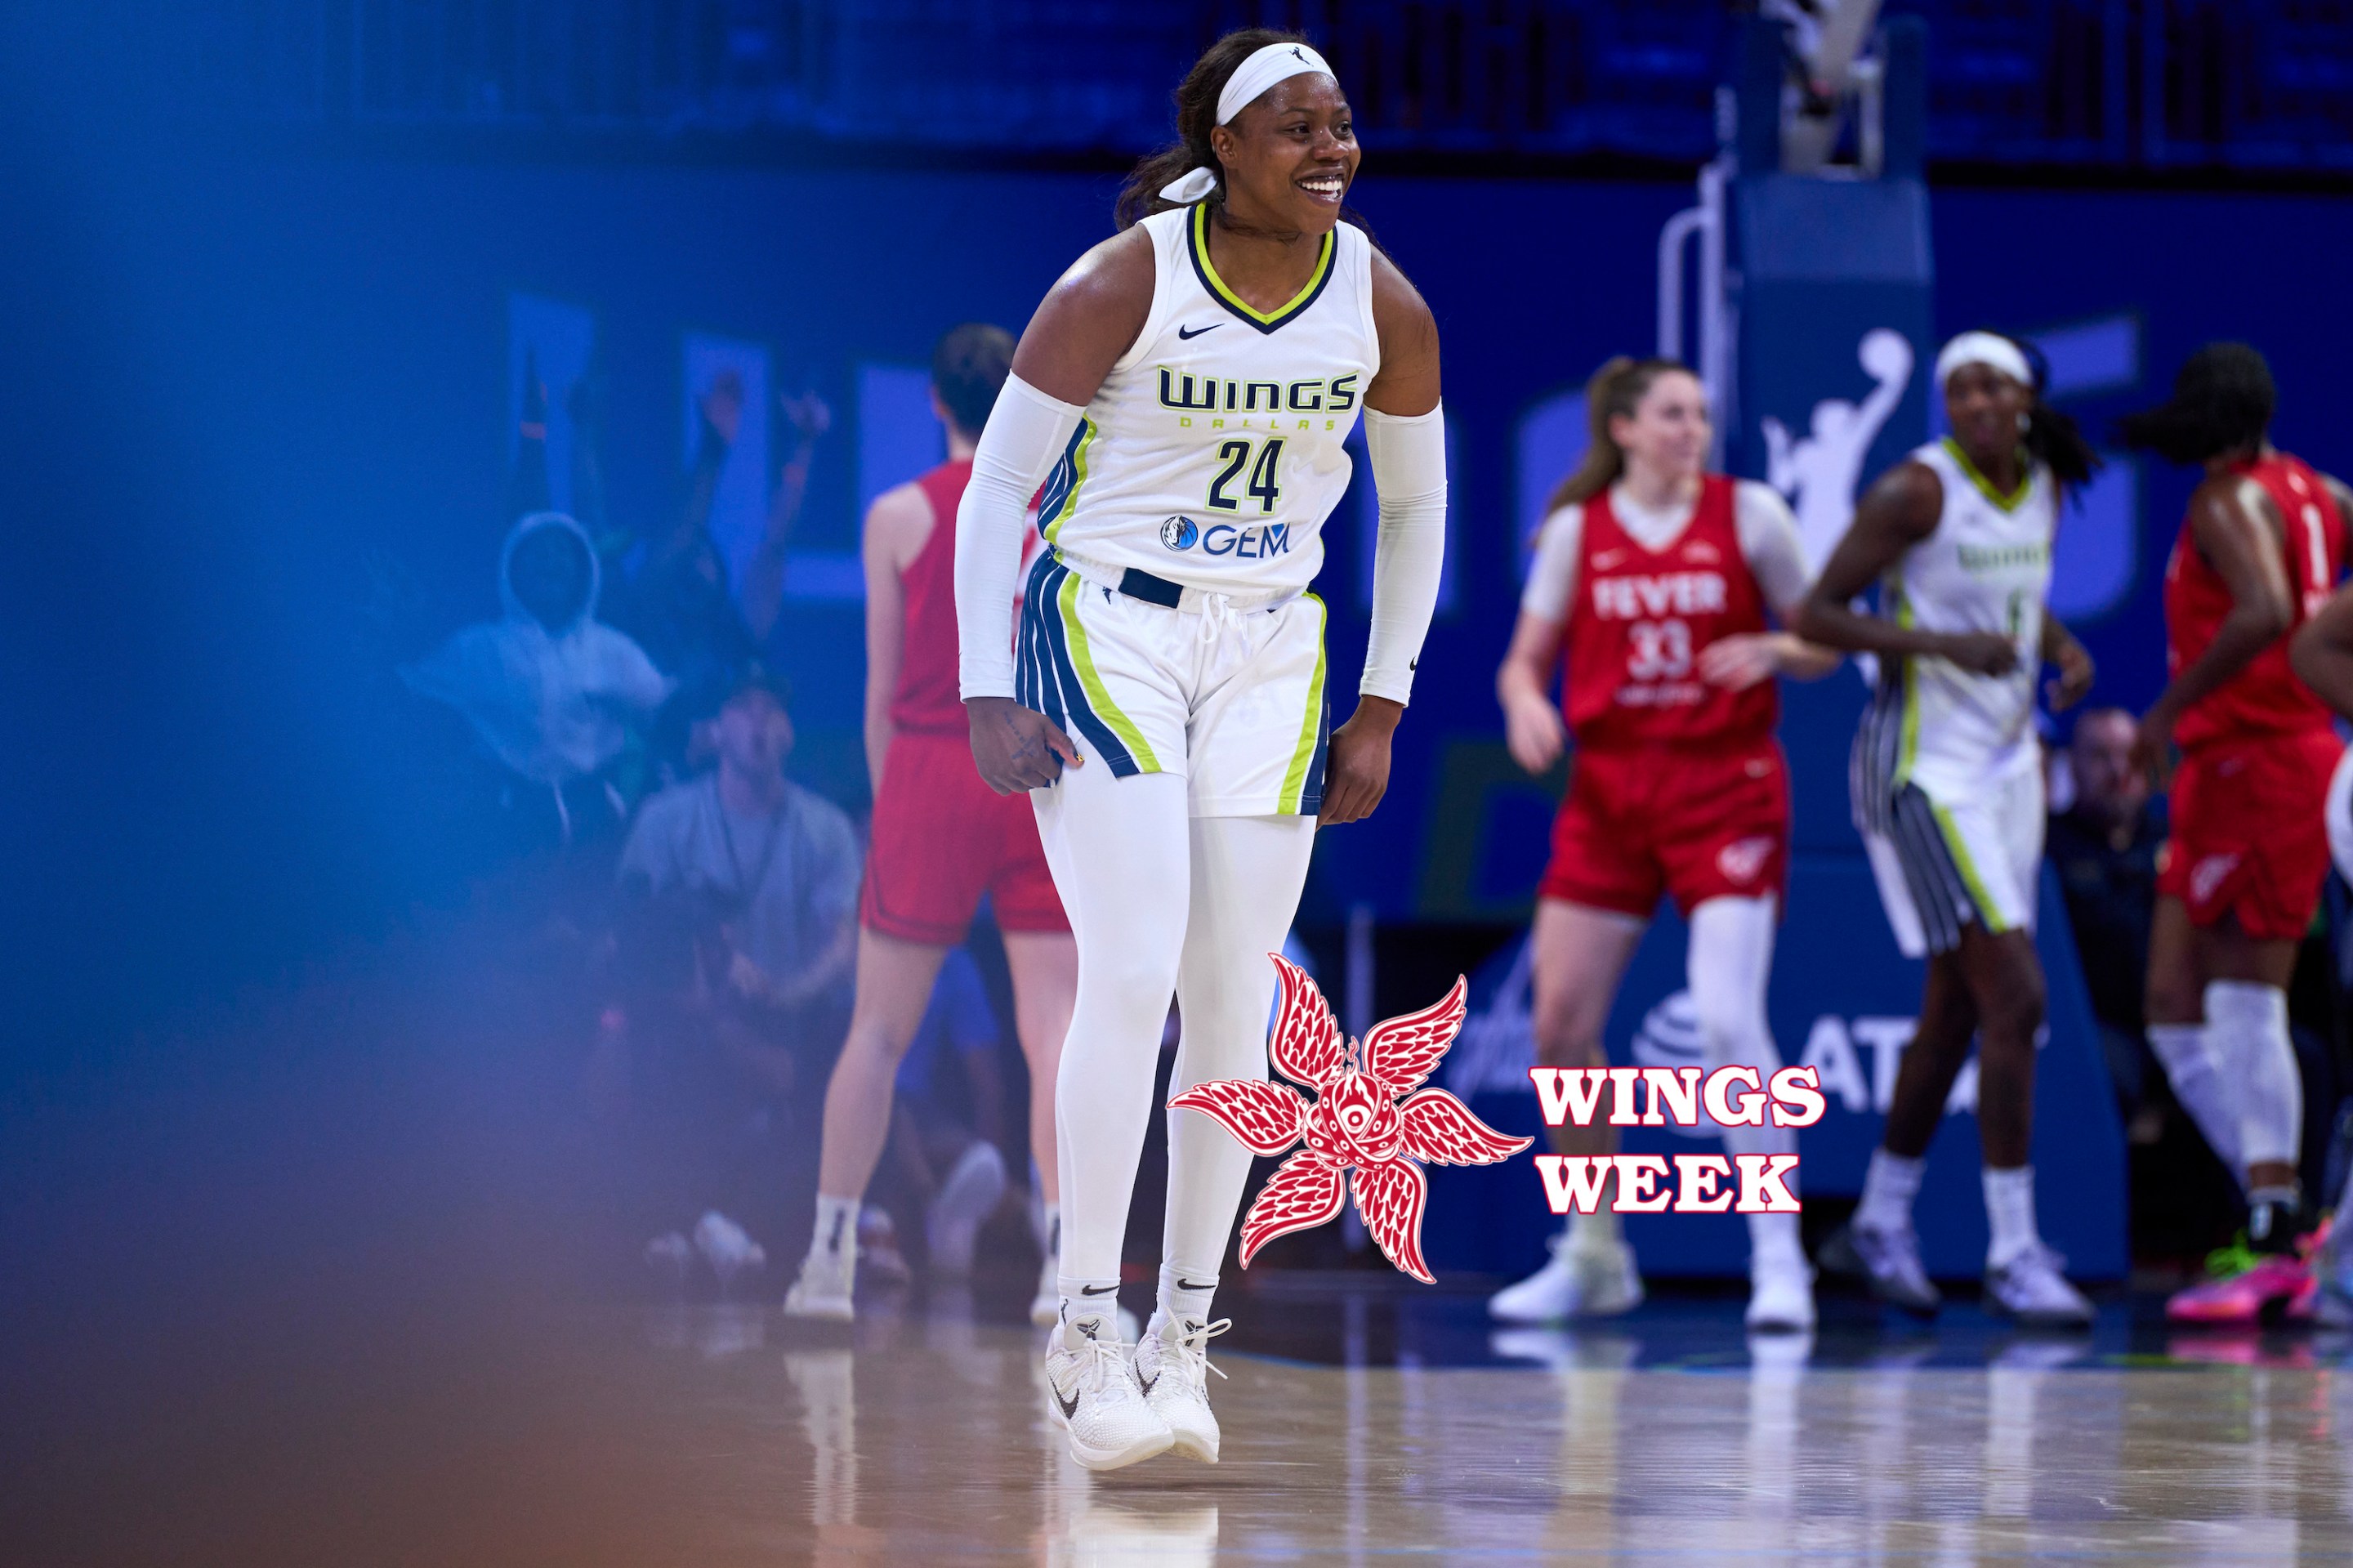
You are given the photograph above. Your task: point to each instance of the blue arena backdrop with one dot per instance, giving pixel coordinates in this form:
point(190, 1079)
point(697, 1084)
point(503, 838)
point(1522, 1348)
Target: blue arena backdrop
point(402, 441)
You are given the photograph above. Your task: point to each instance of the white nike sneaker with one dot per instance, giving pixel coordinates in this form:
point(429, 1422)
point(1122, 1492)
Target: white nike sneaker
point(969, 1195)
point(1096, 1399)
point(1172, 1364)
point(1889, 1261)
point(1579, 1282)
point(727, 1247)
point(822, 1291)
point(1780, 1292)
point(2031, 1288)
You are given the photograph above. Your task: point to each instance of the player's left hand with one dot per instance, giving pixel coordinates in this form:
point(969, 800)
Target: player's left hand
point(2076, 672)
point(1741, 660)
point(2152, 749)
point(1357, 766)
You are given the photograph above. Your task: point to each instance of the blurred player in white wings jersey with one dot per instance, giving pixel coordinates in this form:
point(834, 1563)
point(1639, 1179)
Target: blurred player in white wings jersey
point(1948, 783)
point(1183, 395)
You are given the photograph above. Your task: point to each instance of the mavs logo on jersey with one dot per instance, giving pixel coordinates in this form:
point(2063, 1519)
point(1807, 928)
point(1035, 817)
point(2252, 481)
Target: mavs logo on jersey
point(1178, 533)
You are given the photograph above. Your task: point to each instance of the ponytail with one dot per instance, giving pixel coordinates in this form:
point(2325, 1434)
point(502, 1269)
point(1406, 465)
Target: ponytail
point(2222, 401)
point(1615, 391)
point(2054, 439)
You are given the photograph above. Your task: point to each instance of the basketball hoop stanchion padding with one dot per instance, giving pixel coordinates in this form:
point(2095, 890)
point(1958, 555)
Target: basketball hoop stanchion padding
point(1835, 329)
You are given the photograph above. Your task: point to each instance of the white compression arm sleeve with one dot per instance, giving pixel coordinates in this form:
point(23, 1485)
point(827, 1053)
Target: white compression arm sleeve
point(1027, 431)
point(1408, 455)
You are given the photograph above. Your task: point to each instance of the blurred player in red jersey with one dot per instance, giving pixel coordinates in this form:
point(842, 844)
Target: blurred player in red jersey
point(1653, 580)
point(2240, 879)
point(942, 838)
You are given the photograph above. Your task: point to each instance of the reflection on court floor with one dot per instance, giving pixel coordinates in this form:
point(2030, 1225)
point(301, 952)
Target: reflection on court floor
point(923, 1437)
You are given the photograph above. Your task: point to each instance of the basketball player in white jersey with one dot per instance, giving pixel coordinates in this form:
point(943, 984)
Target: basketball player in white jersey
point(2322, 655)
point(1183, 394)
point(1947, 785)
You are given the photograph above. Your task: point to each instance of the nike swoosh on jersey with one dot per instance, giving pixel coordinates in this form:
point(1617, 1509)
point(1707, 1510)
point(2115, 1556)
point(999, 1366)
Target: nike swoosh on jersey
point(1605, 560)
point(1190, 333)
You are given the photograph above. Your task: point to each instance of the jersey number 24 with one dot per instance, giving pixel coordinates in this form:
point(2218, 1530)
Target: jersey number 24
point(1265, 482)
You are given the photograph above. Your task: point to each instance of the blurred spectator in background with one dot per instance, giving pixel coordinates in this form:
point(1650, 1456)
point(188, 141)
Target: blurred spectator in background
point(527, 485)
point(799, 423)
point(945, 1161)
point(2104, 847)
point(764, 874)
point(676, 599)
point(555, 695)
point(736, 927)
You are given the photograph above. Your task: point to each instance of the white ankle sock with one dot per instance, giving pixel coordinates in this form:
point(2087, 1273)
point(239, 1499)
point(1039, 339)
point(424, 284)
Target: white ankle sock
point(837, 1229)
point(1598, 1231)
point(1089, 1303)
point(2182, 1050)
point(2009, 1213)
point(1186, 1293)
point(1774, 1236)
point(1888, 1189)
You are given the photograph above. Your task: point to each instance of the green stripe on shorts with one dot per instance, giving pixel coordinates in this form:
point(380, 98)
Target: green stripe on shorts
point(1295, 778)
point(1987, 910)
point(1098, 698)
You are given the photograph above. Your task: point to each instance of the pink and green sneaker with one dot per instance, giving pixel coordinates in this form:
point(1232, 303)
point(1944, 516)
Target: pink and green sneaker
point(2241, 1284)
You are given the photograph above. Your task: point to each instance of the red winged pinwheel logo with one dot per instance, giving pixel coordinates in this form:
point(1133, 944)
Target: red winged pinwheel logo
point(1355, 1124)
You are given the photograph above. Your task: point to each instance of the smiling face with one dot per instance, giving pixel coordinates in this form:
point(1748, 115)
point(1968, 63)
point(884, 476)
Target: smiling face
point(1289, 157)
point(1988, 411)
point(1666, 437)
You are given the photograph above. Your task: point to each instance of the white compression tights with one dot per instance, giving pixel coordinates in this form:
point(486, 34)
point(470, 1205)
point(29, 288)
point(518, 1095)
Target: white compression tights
point(1162, 904)
point(1730, 958)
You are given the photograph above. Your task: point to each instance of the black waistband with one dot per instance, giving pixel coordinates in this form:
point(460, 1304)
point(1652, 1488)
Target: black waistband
point(1142, 585)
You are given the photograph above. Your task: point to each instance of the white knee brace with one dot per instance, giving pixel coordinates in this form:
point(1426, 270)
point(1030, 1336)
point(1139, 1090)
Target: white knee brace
point(2247, 1026)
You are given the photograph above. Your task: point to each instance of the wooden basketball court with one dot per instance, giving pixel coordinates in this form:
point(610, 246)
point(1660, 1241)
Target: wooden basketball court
point(925, 1438)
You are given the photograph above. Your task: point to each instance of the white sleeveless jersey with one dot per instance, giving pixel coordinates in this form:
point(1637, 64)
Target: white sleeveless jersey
point(1212, 454)
point(1986, 568)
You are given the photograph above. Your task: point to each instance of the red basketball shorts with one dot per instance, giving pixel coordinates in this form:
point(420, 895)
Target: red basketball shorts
point(1698, 825)
point(2250, 837)
point(942, 838)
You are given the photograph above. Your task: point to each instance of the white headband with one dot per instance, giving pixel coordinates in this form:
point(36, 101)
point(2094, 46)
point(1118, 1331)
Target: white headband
point(1261, 70)
point(1989, 349)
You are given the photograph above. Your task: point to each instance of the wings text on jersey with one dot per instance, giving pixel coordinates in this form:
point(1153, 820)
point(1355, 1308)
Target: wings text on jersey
point(1213, 394)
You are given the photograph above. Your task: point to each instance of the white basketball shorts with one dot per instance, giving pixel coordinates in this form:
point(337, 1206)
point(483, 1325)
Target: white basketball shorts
point(1951, 859)
point(1229, 695)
